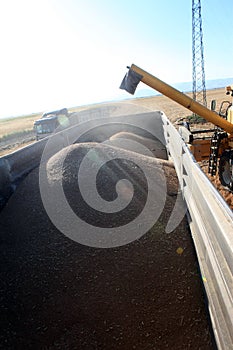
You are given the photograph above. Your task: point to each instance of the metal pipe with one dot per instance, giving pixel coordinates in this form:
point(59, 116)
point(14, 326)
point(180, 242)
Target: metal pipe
point(183, 99)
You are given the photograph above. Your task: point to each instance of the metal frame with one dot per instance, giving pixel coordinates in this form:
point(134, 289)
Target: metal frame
point(211, 224)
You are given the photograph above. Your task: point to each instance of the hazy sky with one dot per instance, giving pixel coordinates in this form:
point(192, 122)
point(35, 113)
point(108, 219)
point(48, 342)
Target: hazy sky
point(64, 53)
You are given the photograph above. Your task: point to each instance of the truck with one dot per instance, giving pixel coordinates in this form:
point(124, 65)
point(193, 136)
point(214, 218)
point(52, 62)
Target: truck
point(51, 121)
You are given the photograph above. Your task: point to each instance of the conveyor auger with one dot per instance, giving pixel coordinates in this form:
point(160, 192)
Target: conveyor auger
point(221, 142)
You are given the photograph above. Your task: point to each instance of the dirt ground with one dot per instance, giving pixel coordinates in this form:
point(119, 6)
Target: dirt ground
point(173, 110)
point(15, 143)
point(59, 294)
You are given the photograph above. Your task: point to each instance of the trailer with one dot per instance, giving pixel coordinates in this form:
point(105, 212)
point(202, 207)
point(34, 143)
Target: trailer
point(209, 217)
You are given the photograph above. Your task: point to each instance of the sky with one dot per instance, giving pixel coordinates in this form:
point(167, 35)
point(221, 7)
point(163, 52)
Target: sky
point(66, 53)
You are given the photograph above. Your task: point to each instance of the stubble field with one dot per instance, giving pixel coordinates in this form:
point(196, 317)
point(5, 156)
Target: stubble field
point(18, 132)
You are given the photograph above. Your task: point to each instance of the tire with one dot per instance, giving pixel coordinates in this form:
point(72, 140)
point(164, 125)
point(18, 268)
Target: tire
point(226, 169)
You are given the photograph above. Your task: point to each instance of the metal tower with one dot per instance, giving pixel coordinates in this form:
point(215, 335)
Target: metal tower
point(199, 89)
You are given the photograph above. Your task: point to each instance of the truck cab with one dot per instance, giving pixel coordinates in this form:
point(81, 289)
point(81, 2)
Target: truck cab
point(49, 122)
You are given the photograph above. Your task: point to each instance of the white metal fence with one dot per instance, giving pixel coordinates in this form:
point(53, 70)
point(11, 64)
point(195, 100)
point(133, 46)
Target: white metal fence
point(211, 224)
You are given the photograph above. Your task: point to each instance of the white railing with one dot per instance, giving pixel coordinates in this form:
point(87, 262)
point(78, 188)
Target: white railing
point(211, 224)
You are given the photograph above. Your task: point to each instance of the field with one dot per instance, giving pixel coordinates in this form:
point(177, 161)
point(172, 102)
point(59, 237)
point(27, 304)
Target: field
point(173, 110)
point(18, 132)
point(11, 126)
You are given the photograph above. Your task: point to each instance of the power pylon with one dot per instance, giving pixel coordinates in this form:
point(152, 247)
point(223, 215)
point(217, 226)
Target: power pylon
point(199, 88)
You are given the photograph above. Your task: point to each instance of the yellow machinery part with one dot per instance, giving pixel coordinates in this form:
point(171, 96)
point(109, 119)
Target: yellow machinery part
point(183, 99)
point(201, 148)
point(230, 115)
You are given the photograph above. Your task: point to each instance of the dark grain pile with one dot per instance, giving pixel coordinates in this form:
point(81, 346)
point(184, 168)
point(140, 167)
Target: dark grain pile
point(58, 294)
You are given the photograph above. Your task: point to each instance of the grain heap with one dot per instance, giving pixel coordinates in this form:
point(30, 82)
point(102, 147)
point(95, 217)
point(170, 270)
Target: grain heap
point(59, 294)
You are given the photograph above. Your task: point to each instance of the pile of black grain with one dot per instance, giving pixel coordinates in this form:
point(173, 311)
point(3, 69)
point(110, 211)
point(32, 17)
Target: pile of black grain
point(58, 294)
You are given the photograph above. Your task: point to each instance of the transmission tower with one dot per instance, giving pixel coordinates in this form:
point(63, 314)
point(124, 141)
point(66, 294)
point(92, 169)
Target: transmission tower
point(199, 88)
